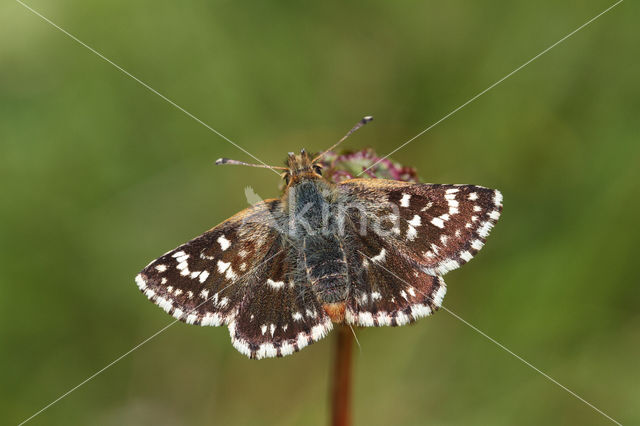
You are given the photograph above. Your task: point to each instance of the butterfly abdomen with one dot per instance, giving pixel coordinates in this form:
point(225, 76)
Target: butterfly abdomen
point(326, 268)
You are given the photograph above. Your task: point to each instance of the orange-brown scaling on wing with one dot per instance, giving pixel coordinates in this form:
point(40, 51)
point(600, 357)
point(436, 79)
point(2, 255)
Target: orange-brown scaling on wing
point(335, 311)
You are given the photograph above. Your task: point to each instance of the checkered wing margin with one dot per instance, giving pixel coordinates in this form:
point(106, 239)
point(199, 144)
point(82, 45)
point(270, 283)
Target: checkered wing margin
point(235, 275)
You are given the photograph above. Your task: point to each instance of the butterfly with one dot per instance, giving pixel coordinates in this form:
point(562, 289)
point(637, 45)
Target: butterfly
point(364, 252)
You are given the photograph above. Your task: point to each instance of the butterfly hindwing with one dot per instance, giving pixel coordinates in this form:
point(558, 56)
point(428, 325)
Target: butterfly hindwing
point(387, 288)
point(278, 315)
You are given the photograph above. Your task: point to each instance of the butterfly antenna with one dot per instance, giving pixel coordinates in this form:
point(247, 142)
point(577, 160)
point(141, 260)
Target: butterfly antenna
point(221, 161)
point(359, 124)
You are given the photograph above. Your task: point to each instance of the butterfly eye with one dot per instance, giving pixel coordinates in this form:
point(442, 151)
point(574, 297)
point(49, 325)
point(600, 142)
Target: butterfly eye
point(286, 178)
point(318, 169)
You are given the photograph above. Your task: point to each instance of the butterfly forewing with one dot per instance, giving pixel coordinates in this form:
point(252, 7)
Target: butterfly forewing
point(440, 227)
point(204, 280)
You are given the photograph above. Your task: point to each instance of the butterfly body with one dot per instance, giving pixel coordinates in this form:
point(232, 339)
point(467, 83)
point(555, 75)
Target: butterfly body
point(366, 252)
point(311, 211)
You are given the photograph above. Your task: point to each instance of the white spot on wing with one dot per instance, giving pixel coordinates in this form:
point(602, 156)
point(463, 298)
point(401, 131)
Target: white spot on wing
point(222, 266)
point(404, 201)
point(365, 319)
point(287, 349)
point(224, 243)
point(230, 275)
point(211, 320)
point(439, 296)
point(140, 282)
point(484, 229)
point(446, 266)
point(302, 341)
point(164, 303)
point(437, 222)
point(266, 350)
point(419, 310)
point(402, 318)
point(411, 233)
point(380, 256)
point(427, 207)
point(497, 198)
point(275, 284)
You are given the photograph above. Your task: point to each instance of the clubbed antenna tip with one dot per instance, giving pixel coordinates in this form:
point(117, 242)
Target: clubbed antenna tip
point(362, 122)
point(221, 161)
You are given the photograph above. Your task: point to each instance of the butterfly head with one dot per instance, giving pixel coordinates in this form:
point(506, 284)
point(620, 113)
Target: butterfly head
point(301, 167)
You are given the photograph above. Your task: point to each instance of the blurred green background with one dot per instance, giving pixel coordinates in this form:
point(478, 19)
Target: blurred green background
point(99, 176)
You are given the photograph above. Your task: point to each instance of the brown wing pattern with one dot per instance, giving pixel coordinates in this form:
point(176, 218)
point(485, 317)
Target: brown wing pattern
point(415, 233)
point(387, 289)
point(440, 227)
point(237, 274)
point(278, 316)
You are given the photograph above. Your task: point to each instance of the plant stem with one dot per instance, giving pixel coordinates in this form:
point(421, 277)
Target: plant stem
point(341, 389)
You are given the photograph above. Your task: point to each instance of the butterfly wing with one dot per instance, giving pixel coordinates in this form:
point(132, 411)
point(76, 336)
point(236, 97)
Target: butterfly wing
point(440, 227)
point(388, 289)
point(231, 275)
point(416, 234)
point(280, 316)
